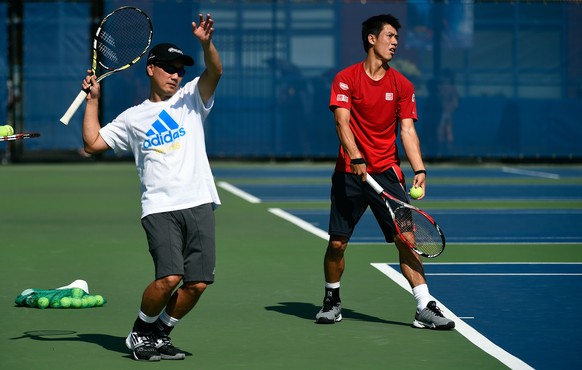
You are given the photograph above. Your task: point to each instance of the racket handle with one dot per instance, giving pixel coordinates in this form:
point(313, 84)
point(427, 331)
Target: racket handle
point(73, 108)
point(370, 180)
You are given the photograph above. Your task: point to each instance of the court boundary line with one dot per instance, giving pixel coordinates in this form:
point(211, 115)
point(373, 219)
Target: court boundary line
point(531, 173)
point(462, 327)
point(299, 222)
point(238, 192)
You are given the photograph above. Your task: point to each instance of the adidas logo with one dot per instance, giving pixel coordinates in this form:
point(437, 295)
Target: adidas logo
point(164, 131)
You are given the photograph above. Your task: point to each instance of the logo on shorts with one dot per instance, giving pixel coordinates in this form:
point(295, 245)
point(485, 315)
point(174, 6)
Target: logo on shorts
point(164, 131)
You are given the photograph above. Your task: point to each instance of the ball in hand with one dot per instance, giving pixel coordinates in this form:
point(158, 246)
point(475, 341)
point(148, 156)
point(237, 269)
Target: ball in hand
point(415, 192)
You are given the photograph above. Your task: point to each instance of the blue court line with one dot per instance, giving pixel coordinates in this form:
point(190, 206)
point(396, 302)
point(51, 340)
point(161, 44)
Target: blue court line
point(526, 308)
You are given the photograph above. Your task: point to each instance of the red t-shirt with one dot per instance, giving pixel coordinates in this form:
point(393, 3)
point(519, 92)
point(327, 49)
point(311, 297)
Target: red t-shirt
point(375, 108)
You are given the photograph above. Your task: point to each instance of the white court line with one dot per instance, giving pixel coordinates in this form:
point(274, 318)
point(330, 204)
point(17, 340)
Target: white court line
point(502, 274)
point(299, 222)
point(463, 328)
point(517, 171)
point(238, 192)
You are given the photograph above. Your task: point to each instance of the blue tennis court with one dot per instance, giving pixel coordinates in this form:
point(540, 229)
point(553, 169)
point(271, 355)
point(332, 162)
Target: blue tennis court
point(521, 307)
point(528, 309)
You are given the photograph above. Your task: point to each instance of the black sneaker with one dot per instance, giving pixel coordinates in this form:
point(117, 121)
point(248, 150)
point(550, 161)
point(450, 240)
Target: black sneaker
point(163, 344)
point(330, 313)
point(431, 317)
point(142, 346)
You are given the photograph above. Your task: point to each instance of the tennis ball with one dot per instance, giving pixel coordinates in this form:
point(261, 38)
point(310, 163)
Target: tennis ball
point(6, 130)
point(88, 301)
point(84, 302)
point(415, 192)
point(66, 302)
point(76, 302)
point(99, 300)
point(43, 302)
point(77, 293)
point(91, 301)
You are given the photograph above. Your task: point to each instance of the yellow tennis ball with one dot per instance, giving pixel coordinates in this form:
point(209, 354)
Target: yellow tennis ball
point(6, 130)
point(415, 192)
point(76, 302)
point(43, 302)
point(77, 293)
point(99, 300)
point(66, 302)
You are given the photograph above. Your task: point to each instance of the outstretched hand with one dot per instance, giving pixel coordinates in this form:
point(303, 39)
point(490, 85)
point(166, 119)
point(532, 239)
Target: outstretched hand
point(204, 29)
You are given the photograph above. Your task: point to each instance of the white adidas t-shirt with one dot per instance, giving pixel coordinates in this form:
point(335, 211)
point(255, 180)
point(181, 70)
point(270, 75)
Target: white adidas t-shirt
point(167, 142)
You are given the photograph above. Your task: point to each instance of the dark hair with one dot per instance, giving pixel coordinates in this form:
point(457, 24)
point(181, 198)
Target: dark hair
point(374, 25)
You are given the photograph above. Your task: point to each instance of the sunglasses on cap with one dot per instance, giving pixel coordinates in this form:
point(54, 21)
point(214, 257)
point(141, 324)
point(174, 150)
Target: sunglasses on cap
point(170, 69)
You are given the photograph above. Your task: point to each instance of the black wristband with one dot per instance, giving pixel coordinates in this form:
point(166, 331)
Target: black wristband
point(358, 161)
point(419, 172)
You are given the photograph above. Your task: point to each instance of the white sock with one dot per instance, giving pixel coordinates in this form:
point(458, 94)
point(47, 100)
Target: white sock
point(421, 295)
point(332, 285)
point(146, 318)
point(168, 320)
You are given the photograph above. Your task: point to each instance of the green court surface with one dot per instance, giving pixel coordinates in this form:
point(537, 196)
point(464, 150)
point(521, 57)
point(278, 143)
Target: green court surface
point(61, 222)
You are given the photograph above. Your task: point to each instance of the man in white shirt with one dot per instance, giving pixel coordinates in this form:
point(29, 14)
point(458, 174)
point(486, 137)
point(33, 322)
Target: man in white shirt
point(166, 136)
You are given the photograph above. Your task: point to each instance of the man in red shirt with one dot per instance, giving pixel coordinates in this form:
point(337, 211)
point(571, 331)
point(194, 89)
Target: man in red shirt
point(371, 102)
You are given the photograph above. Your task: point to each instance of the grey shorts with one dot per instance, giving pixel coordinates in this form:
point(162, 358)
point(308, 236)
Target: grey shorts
point(350, 197)
point(183, 243)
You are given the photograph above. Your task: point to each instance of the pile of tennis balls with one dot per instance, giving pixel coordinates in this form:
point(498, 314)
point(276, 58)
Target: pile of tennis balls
point(78, 298)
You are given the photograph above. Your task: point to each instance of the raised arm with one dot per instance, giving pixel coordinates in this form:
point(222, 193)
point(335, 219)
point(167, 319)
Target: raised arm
point(211, 75)
point(93, 142)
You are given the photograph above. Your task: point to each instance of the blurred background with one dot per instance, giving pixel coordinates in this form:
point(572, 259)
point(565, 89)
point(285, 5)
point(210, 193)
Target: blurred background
point(499, 80)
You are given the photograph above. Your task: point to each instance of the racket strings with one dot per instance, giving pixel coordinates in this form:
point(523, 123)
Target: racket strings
point(419, 231)
point(123, 37)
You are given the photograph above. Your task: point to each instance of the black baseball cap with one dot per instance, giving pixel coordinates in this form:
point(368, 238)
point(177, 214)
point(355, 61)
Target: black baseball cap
point(168, 53)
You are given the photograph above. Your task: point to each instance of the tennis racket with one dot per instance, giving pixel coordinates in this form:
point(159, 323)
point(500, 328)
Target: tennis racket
point(122, 38)
point(24, 135)
point(416, 228)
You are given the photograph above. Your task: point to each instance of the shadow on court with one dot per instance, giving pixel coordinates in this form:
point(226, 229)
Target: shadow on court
point(108, 342)
point(307, 311)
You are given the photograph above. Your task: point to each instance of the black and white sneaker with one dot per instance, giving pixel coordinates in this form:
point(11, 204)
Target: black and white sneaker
point(164, 346)
point(142, 346)
point(431, 317)
point(330, 313)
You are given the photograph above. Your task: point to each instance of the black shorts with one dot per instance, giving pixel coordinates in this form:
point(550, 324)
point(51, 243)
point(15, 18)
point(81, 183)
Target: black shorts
point(183, 243)
point(350, 197)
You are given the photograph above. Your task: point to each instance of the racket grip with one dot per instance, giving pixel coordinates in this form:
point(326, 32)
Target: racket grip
point(73, 108)
point(377, 188)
